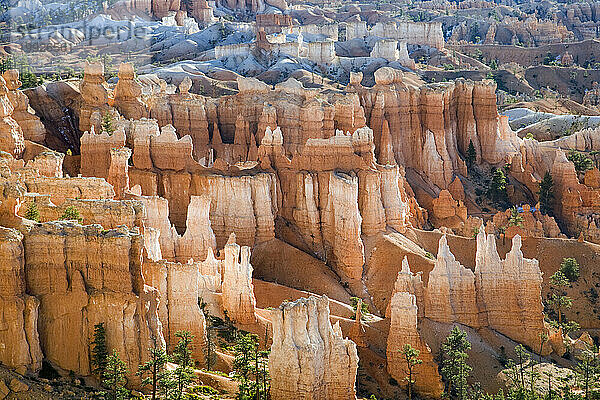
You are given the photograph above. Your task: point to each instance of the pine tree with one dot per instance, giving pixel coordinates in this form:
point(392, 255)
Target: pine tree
point(515, 218)
point(558, 281)
point(455, 369)
point(517, 371)
point(588, 370)
point(356, 302)
point(546, 194)
point(411, 358)
point(107, 123)
point(113, 378)
point(182, 356)
point(99, 350)
point(497, 189)
point(581, 162)
point(471, 155)
point(167, 384)
point(251, 363)
point(570, 269)
point(151, 371)
point(32, 212)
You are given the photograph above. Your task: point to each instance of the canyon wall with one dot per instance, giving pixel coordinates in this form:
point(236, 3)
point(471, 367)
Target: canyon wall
point(420, 33)
point(450, 295)
point(178, 284)
point(421, 140)
point(30, 124)
point(237, 288)
point(103, 284)
point(11, 134)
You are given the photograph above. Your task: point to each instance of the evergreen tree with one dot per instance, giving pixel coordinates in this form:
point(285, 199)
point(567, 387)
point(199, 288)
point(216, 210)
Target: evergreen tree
point(570, 269)
point(167, 384)
point(71, 213)
point(522, 360)
point(471, 155)
point(497, 189)
point(32, 212)
point(107, 123)
point(151, 371)
point(99, 350)
point(515, 218)
point(546, 194)
point(518, 373)
point(455, 369)
point(411, 358)
point(558, 282)
point(182, 356)
point(582, 163)
point(251, 369)
point(113, 378)
point(588, 370)
point(356, 302)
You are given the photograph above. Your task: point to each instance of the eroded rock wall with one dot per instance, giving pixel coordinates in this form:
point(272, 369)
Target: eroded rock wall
point(450, 295)
point(20, 346)
point(102, 284)
point(238, 292)
point(509, 291)
point(178, 284)
point(309, 358)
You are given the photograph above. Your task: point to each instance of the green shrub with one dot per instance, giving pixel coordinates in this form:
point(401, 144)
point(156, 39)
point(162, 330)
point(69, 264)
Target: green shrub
point(32, 212)
point(204, 389)
point(582, 163)
point(364, 309)
point(71, 213)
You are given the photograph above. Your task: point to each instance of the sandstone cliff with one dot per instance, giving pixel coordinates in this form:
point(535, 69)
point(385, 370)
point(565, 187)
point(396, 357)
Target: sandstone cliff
point(11, 134)
point(509, 291)
point(450, 295)
point(94, 97)
point(102, 284)
point(178, 285)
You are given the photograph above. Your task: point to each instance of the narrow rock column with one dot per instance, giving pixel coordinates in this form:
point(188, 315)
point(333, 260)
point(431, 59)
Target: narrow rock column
point(238, 290)
point(403, 330)
point(118, 172)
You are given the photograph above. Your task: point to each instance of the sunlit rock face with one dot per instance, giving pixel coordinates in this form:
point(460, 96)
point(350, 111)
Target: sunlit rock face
point(309, 358)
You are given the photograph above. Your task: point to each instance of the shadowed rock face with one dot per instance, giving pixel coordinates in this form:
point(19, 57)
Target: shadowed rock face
point(309, 358)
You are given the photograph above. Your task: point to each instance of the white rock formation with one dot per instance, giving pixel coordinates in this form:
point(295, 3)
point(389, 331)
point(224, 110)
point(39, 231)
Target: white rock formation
point(309, 358)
